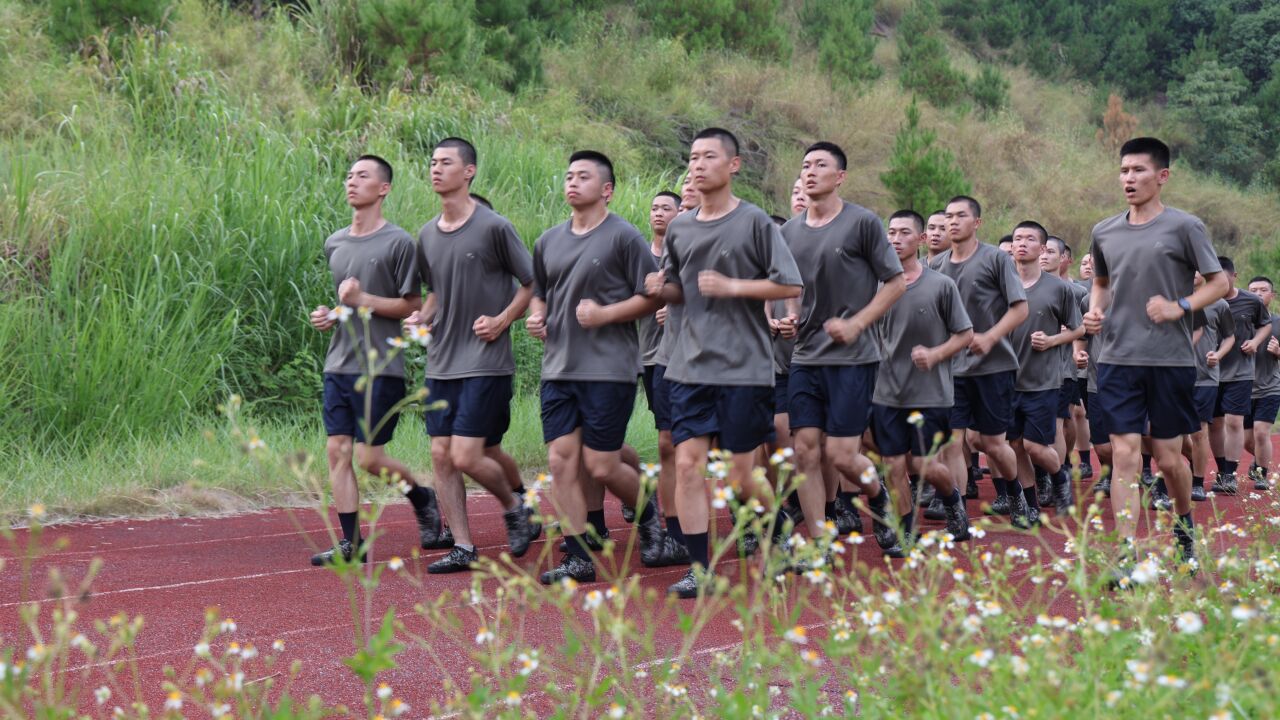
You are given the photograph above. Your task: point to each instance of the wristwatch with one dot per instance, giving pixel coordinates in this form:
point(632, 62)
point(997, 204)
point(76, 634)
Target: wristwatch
point(1185, 304)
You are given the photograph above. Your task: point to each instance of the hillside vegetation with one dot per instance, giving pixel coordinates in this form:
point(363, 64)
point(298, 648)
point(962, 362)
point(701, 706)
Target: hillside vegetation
point(166, 183)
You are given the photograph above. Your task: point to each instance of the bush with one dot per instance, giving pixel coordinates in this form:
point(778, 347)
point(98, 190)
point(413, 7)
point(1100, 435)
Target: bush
point(841, 33)
point(750, 26)
point(926, 67)
point(990, 90)
point(921, 177)
point(72, 22)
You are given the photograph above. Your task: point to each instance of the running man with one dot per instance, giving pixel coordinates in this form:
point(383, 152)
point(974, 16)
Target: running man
point(723, 263)
point(1144, 261)
point(1266, 393)
point(375, 272)
point(479, 277)
point(1235, 387)
point(935, 233)
point(588, 291)
point(843, 254)
point(1213, 339)
point(914, 389)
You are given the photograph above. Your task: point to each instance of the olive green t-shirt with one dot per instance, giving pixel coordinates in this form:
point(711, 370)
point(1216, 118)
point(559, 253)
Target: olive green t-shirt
point(1051, 304)
point(927, 314)
point(989, 285)
point(1218, 326)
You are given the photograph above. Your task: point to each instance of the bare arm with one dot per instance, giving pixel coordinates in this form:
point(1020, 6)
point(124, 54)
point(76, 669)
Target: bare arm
point(982, 343)
point(490, 328)
point(536, 322)
point(397, 308)
point(592, 314)
point(927, 358)
point(715, 285)
point(1259, 340)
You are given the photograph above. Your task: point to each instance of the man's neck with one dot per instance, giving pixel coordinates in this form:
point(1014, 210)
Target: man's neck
point(367, 220)
point(717, 203)
point(911, 269)
point(588, 218)
point(1063, 274)
point(456, 207)
point(655, 245)
point(1146, 212)
point(1029, 272)
point(962, 250)
point(1233, 292)
point(930, 254)
point(823, 210)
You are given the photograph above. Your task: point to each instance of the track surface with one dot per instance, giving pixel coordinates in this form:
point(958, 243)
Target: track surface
point(254, 569)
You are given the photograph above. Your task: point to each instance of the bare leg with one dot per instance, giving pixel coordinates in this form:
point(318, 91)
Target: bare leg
point(450, 491)
point(342, 478)
point(1126, 470)
point(508, 463)
point(564, 460)
point(812, 487)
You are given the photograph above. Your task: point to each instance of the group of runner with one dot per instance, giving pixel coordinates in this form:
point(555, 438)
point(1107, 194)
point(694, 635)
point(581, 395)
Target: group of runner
point(819, 338)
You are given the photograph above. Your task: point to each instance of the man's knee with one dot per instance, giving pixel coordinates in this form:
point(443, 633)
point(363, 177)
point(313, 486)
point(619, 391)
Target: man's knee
point(369, 458)
point(339, 448)
point(466, 457)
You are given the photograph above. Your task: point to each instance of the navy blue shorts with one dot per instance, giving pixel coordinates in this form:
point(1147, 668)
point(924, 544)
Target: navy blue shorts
point(1264, 410)
point(344, 410)
point(1133, 395)
point(984, 403)
point(1234, 398)
point(477, 407)
point(1069, 395)
point(1035, 416)
point(741, 416)
point(1099, 428)
point(1205, 399)
point(781, 404)
point(1082, 389)
point(835, 398)
point(658, 395)
point(895, 435)
point(602, 409)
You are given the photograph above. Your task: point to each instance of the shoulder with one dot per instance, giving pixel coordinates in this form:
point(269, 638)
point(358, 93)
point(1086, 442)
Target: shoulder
point(751, 213)
point(795, 225)
point(430, 230)
point(1182, 218)
point(623, 230)
point(860, 214)
point(337, 237)
point(1109, 224)
point(550, 234)
point(396, 235)
point(492, 221)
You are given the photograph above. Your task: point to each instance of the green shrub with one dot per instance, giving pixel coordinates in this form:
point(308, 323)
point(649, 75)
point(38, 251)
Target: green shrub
point(990, 90)
point(72, 22)
point(750, 26)
point(926, 67)
point(840, 30)
point(921, 177)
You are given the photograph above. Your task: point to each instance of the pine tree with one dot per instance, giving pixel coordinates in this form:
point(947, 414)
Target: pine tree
point(921, 176)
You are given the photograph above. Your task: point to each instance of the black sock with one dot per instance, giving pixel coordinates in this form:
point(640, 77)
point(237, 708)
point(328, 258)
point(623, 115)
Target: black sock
point(1229, 466)
point(1062, 477)
point(577, 546)
point(908, 524)
point(1161, 488)
point(645, 514)
point(519, 490)
point(1030, 494)
point(780, 520)
point(595, 518)
point(697, 544)
point(1185, 529)
point(877, 503)
point(1146, 463)
point(845, 497)
point(1220, 463)
point(1084, 458)
point(974, 460)
point(952, 499)
point(1197, 481)
point(673, 529)
point(348, 522)
point(793, 501)
point(1002, 486)
point(1039, 471)
point(419, 497)
point(829, 509)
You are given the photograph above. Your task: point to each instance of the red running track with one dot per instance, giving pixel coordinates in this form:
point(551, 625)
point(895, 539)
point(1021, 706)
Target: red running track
point(254, 568)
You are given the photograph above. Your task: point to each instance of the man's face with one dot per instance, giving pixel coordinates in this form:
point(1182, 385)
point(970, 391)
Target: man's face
point(961, 222)
point(1086, 267)
point(710, 165)
point(584, 184)
point(1028, 246)
point(689, 197)
point(799, 200)
point(1006, 247)
point(448, 172)
point(660, 214)
point(1140, 179)
point(1264, 290)
point(1051, 258)
point(935, 231)
point(821, 174)
point(365, 184)
point(905, 237)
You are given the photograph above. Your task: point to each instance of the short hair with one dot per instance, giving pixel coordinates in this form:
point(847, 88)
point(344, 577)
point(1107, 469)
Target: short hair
point(383, 166)
point(1005, 239)
point(1263, 278)
point(943, 211)
point(599, 158)
point(482, 200)
point(668, 194)
point(778, 220)
point(1033, 225)
point(726, 138)
point(842, 162)
point(1063, 247)
point(911, 215)
point(1158, 151)
point(1226, 263)
point(974, 206)
point(466, 150)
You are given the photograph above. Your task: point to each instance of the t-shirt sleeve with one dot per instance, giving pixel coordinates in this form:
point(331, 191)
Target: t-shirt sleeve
point(1226, 325)
point(424, 267)
point(782, 268)
point(1261, 318)
point(670, 261)
point(1203, 256)
point(539, 272)
point(1070, 309)
point(405, 265)
point(1010, 283)
point(953, 310)
point(884, 261)
point(637, 260)
point(512, 253)
point(1099, 257)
